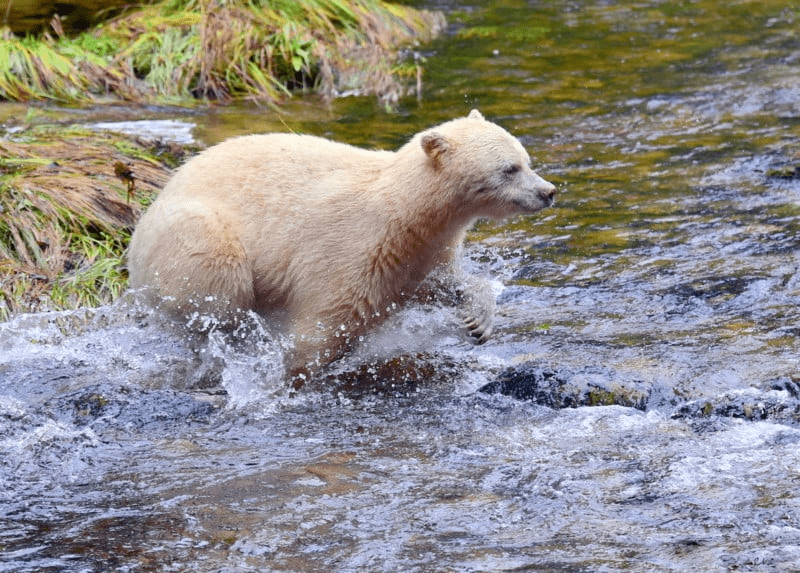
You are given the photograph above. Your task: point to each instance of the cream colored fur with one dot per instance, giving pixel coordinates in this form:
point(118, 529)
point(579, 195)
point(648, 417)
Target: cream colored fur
point(323, 236)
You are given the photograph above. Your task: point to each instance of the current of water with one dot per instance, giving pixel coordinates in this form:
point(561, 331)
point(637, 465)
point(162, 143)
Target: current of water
point(668, 268)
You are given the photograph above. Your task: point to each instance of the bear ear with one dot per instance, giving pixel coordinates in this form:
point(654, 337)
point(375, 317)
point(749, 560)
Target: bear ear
point(475, 114)
point(435, 144)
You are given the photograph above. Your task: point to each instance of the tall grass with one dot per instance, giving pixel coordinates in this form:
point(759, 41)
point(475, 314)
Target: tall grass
point(66, 218)
point(180, 50)
point(33, 69)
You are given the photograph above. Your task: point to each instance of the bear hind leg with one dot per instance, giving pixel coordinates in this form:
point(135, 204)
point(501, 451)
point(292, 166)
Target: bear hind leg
point(204, 268)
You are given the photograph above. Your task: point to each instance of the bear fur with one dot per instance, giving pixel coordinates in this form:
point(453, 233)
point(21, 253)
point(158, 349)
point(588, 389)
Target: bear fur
point(323, 237)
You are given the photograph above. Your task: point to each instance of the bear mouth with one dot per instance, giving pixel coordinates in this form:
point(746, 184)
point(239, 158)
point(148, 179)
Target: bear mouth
point(535, 203)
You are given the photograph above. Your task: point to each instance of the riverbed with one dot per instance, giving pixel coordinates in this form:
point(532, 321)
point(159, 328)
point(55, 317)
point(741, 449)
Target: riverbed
point(636, 410)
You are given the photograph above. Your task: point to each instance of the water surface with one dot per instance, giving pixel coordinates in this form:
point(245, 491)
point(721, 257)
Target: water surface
point(668, 269)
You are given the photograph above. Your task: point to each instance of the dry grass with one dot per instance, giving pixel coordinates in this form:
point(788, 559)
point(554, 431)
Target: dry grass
point(222, 49)
point(65, 217)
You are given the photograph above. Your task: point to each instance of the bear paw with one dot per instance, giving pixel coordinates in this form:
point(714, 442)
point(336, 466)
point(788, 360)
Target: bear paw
point(480, 328)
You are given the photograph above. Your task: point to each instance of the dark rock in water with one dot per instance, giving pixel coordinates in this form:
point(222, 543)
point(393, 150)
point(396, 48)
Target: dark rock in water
point(398, 376)
point(784, 172)
point(562, 388)
point(536, 269)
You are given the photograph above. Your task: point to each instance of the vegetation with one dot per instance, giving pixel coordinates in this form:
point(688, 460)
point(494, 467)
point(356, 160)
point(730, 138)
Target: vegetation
point(68, 202)
point(179, 50)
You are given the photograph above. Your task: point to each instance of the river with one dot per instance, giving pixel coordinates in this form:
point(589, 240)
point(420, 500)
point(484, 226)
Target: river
point(637, 410)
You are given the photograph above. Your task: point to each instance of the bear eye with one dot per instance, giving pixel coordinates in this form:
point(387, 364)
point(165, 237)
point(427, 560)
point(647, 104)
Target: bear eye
point(512, 169)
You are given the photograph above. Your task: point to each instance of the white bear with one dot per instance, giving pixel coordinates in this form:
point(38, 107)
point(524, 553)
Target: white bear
point(323, 237)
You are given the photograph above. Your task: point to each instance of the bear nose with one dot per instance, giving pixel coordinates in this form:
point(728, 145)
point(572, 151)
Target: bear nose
point(548, 192)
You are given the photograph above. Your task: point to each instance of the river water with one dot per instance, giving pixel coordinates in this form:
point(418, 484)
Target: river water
point(660, 295)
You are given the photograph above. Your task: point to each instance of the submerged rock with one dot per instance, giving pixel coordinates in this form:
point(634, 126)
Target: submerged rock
point(397, 376)
point(780, 403)
point(117, 406)
point(784, 172)
point(562, 388)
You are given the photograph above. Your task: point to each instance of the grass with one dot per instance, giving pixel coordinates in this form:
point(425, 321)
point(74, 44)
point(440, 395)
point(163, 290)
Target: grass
point(177, 51)
point(66, 214)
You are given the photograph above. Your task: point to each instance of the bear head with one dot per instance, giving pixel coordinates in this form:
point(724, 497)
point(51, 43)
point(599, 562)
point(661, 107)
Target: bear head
point(486, 167)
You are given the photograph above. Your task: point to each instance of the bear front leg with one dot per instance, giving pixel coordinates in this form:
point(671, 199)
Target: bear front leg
point(314, 346)
point(478, 305)
point(473, 295)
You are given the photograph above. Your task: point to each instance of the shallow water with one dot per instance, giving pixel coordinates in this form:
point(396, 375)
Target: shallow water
point(668, 269)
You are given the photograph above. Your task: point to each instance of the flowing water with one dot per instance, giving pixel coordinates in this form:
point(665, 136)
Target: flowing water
point(659, 295)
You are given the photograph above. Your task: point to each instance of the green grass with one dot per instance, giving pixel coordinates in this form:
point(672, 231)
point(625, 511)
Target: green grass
point(179, 51)
point(100, 280)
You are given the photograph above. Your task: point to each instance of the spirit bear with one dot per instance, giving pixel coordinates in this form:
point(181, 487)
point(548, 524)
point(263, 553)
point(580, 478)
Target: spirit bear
point(322, 237)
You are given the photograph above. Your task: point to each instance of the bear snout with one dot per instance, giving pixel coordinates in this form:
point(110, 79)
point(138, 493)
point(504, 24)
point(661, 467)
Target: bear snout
point(548, 193)
point(542, 189)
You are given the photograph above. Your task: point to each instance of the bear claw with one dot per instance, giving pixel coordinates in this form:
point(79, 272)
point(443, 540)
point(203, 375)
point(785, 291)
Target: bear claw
point(480, 328)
